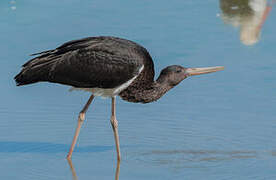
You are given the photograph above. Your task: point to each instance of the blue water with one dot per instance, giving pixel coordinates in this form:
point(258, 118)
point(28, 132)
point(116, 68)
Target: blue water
point(216, 126)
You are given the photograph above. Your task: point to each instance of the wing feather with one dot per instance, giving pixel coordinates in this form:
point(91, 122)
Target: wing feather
point(90, 62)
point(86, 68)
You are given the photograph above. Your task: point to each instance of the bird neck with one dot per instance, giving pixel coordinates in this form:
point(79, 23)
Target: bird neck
point(145, 92)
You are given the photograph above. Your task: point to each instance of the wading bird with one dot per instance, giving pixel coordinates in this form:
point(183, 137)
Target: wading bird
point(249, 15)
point(108, 67)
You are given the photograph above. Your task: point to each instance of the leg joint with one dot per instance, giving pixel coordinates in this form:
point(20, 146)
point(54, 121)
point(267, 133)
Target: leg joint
point(81, 116)
point(114, 122)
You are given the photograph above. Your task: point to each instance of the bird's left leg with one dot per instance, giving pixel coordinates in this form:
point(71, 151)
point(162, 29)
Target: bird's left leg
point(80, 121)
point(114, 124)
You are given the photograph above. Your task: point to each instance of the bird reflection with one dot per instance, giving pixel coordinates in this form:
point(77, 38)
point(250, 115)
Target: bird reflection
point(249, 15)
point(74, 174)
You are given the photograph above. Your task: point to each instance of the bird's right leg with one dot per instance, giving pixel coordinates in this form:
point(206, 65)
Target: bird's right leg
point(114, 124)
point(80, 121)
point(117, 174)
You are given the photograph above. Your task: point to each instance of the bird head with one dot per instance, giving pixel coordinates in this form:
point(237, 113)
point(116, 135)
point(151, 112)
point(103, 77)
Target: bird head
point(173, 75)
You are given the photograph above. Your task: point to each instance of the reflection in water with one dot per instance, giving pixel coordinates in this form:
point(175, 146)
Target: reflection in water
point(74, 174)
point(75, 177)
point(13, 6)
point(249, 15)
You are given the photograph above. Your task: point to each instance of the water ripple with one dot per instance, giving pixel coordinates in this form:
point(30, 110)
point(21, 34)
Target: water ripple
point(44, 147)
point(197, 158)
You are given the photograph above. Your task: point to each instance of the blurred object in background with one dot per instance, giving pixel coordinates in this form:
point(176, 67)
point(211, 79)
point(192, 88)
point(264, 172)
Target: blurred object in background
point(13, 5)
point(250, 15)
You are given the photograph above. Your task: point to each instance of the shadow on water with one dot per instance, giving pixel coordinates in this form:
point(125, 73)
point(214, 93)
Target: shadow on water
point(43, 147)
point(74, 173)
point(249, 15)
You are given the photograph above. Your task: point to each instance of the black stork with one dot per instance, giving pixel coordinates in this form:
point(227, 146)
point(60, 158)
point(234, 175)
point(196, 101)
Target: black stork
point(108, 67)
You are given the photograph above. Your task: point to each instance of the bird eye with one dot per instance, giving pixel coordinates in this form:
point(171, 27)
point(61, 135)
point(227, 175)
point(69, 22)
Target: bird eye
point(178, 71)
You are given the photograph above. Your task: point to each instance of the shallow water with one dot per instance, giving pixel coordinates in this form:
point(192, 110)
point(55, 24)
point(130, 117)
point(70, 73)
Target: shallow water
point(216, 126)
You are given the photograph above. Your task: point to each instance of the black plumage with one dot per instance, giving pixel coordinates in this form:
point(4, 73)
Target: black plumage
point(102, 62)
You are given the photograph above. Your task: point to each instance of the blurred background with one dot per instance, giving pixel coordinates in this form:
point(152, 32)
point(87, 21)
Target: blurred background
point(216, 126)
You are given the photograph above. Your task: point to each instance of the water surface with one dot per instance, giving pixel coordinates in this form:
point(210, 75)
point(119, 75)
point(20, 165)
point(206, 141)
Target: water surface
point(216, 126)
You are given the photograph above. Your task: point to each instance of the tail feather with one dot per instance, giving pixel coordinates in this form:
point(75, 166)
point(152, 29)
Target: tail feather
point(35, 70)
point(22, 79)
point(29, 76)
point(41, 67)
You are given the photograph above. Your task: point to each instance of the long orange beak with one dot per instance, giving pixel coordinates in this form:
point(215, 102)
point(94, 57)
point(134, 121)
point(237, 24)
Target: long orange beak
point(205, 70)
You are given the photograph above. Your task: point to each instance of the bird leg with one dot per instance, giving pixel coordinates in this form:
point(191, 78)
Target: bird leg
point(117, 174)
point(80, 121)
point(73, 171)
point(114, 124)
